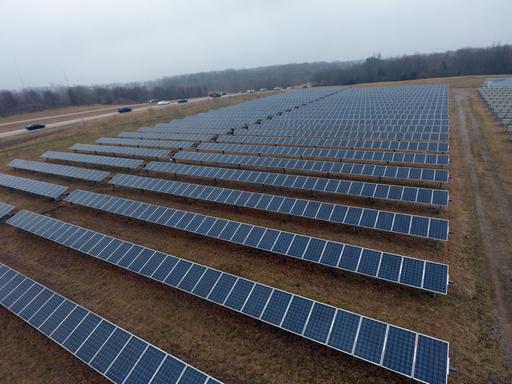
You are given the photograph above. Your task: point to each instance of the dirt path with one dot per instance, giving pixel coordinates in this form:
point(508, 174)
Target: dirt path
point(493, 213)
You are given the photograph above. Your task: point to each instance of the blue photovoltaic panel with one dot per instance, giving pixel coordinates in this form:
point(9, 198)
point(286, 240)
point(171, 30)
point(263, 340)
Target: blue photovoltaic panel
point(107, 161)
point(5, 209)
point(331, 254)
point(60, 170)
point(398, 193)
point(124, 151)
point(165, 144)
point(328, 154)
point(321, 167)
point(345, 331)
point(412, 146)
point(35, 187)
point(341, 214)
point(152, 134)
point(125, 359)
point(336, 134)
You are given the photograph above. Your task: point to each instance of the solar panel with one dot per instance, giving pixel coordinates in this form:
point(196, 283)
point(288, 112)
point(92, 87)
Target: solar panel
point(167, 130)
point(317, 167)
point(167, 144)
point(110, 350)
point(412, 272)
point(5, 209)
point(328, 154)
point(157, 135)
point(357, 135)
point(60, 170)
point(114, 162)
point(396, 193)
point(408, 353)
point(397, 223)
point(35, 187)
point(397, 145)
point(415, 109)
point(127, 151)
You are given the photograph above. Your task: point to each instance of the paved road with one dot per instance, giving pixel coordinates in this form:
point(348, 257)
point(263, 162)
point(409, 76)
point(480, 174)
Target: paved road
point(51, 117)
point(98, 116)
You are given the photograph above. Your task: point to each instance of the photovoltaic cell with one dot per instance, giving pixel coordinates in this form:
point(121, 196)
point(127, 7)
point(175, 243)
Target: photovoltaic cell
point(35, 187)
point(60, 170)
point(88, 336)
point(331, 254)
point(5, 209)
point(328, 154)
point(107, 161)
point(345, 331)
point(324, 168)
point(124, 151)
point(359, 217)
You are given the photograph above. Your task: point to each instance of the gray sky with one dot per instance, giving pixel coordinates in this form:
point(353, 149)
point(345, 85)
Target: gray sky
point(45, 42)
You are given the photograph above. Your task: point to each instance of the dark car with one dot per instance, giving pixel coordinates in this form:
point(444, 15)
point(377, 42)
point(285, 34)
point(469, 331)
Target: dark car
point(124, 110)
point(181, 101)
point(215, 94)
point(34, 126)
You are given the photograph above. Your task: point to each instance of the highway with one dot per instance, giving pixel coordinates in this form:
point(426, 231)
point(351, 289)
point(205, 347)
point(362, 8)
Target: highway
point(101, 114)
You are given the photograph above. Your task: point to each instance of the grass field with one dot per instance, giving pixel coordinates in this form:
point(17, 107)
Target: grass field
point(236, 349)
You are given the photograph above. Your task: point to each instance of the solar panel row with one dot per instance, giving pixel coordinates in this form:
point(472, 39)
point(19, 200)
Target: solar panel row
point(416, 273)
point(399, 193)
point(166, 144)
point(35, 187)
point(5, 209)
point(359, 135)
point(245, 113)
point(411, 146)
point(325, 168)
point(373, 125)
point(115, 162)
point(397, 109)
point(168, 130)
point(400, 350)
point(126, 151)
point(105, 347)
point(150, 135)
point(397, 223)
point(60, 170)
point(329, 154)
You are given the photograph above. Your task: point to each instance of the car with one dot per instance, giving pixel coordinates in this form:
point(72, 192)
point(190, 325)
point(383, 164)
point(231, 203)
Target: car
point(215, 94)
point(163, 102)
point(34, 126)
point(124, 110)
point(181, 101)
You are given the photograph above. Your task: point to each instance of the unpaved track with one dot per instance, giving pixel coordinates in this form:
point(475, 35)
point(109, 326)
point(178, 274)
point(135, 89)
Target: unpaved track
point(493, 213)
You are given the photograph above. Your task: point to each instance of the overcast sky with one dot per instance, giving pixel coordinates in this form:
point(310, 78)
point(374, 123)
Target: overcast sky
point(44, 42)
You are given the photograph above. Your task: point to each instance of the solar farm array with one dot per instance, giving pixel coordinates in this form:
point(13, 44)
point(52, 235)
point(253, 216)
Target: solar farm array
point(389, 145)
point(499, 101)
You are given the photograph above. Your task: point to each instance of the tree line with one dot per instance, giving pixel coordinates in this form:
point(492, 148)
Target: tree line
point(467, 61)
point(29, 100)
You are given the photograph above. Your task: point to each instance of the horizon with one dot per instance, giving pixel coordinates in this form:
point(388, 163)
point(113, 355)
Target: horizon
point(144, 81)
point(125, 43)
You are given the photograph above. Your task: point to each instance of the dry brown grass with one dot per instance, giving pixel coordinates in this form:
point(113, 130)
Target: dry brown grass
point(228, 346)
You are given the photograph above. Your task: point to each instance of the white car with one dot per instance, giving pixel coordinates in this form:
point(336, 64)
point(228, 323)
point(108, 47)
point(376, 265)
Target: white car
point(163, 102)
